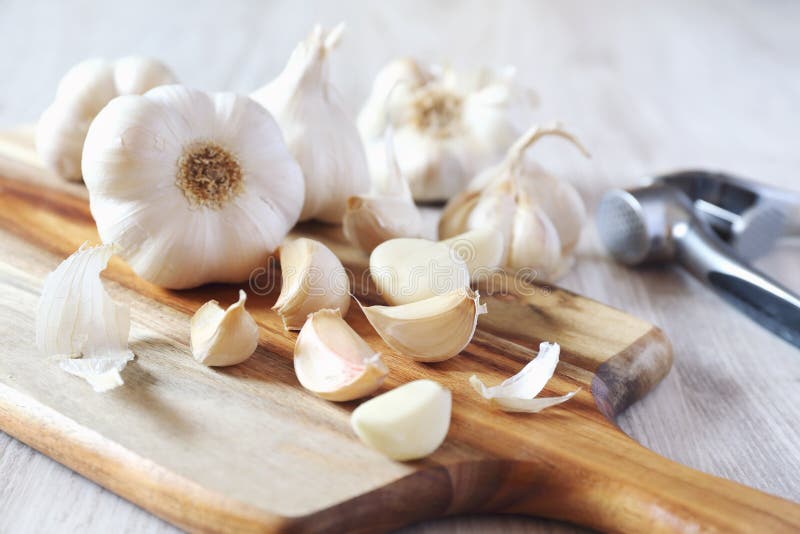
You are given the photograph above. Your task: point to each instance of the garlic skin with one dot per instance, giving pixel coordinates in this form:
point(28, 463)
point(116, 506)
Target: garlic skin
point(223, 337)
point(194, 187)
point(333, 361)
point(387, 213)
point(517, 394)
point(430, 330)
point(449, 125)
point(406, 423)
point(320, 133)
point(313, 279)
point(407, 270)
point(76, 319)
point(539, 216)
point(482, 249)
point(83, 91)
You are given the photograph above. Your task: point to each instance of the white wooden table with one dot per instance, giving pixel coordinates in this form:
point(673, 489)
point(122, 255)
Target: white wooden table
point(647, 87)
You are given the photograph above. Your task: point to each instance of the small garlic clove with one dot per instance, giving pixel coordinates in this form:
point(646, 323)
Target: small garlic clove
point(408, 270)
point(370, 221)
point(455, 216)
point(223, 337)
point(483, 250)
point(406, 423)
point(534, 245)
point(430, 330)
point(333, 361)
point(313, 279)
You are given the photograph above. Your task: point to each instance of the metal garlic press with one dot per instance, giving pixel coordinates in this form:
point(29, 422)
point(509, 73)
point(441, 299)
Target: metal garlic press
point(713, 224)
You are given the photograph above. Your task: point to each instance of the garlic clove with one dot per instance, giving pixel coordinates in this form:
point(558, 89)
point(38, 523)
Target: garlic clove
point(406, 423)
point(483, 250)
point(221, 337)
point(455, 216)
point(407, 270)
point(313, 279)
point(430, 330)
point(535, 245)
point(333, 361)
point(517, 394)
point(562, 203)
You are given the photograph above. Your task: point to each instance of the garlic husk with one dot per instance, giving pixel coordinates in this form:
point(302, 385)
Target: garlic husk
point(483, 250)
point(517, 394)
point(333, 361)
point(387, 213)
point(313, 279)
point(320, 133)
point(449, 125)
point(430, 330)
point(407, 270)
point(83, 91)
point(221, 337)
point(406, 423)
point(195, 187)
point(76, 319)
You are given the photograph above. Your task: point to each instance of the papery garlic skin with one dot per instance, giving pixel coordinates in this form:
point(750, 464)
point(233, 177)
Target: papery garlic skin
point(221, 337)
point(406, 423)
point(320, 133)
point(333, 361)
point(430, 330)
point(449, 125)
point(77, 319)
point(407, 270)
point(83, 91)
point(195, 187)
point(313, 279)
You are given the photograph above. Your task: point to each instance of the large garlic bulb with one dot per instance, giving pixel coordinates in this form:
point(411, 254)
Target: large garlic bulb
point(83, 91)
point(540, 216)
point(194, 187)
point(448, 125)
point(319, 131)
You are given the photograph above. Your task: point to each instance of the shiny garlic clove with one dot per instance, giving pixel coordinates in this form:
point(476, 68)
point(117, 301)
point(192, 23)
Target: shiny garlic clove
point(406, 423)
point(483, 250)
point(430, 330)
point(223, 337)
point(332, 361)
point(408, 270)
point(313, 279)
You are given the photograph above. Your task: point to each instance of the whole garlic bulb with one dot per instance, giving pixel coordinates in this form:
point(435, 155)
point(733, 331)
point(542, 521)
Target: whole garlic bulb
point(448, 125)
point(540, 216)
point(194, 187)
point(83, 91)
point(318, 130)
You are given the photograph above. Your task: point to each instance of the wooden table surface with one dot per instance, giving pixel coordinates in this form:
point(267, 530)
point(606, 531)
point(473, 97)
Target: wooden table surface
point(648, 88)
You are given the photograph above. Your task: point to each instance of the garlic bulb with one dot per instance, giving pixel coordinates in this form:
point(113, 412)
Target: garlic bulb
point(406, 423)
point(313, 279)
point(77, 320)
point(539, 216)
point(332, 360)
point(83, 91)
point(430, 330)
point(194, 187)
point(481, 249)
point(223, 337)
point(318, 130)
point(387, 213)
point(449, 125)
point(407, 270)
point(516, 394)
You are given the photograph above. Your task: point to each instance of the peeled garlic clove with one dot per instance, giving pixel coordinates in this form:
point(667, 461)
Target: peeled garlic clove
point(483, 250)
point(408, 270)
point(223, 337)
point(430, 330)
point(517, 394)
point(535, 244)
point(333, 361)
point(313, 279)
point(406, 423)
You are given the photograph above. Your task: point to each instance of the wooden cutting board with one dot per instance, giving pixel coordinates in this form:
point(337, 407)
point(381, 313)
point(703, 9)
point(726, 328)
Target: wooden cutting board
point(247, 449)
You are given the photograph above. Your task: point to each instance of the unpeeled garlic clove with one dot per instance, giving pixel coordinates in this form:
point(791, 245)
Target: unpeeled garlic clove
point(313, 279)
point(483, 250)
point(408, 270)
point(223, 337)
point(430, 330)
point(534, 244)
point(333, 361)
point(406, 423)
